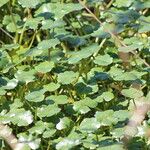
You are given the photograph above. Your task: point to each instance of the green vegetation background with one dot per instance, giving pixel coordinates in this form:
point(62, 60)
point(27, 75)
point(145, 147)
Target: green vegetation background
point(66, 79)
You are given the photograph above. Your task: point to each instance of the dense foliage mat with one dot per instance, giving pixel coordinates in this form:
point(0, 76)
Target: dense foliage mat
point(72, 71)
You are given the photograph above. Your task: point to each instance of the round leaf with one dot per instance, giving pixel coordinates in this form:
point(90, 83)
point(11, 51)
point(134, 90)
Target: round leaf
point(35, 96)
point(132, 93)
point(83, 53)
point(3, 2)
point(46, 44)
point(103, 60)
point(29, 3)
point(64, 123)
point(47, 111)
point(51, 87)
point(67, 144)
point(107, 96)
point(106, 118)
point(83, 106)
point(45, 67)
point(60, 99)
point(11, 84)
point(20, 117)
point(67, 77)
point(89, 125)
point(25, 76)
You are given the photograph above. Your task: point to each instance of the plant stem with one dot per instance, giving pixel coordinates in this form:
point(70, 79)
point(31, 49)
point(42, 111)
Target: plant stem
point(13, 20)
point(22, 33)
point(6, 33)
point(33, 38)
point(69, 22)
point(109, 4)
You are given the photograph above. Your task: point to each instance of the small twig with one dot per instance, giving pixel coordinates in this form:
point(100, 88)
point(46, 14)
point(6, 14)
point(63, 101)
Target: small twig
point(109, 4)
point(22, 33)
point(13, 20)
point(6, 33)
point(32, 40)
point(100, 46)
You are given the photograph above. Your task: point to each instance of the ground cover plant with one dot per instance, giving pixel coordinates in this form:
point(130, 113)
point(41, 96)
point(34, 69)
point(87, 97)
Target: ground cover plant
point(74, 74)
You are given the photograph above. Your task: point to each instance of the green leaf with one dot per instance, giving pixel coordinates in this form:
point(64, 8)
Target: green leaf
point(3, 2)
point(107, 96)
point(40, 127)
point(64, 123)
point(132, 93)
point(47, 110)
point(16, 104)
point(29, 3)
point(51, 87)
point(33, 141)
point(32, 23)
point(35, 96)
point(45, 67)
point(112, 147)
point(49, 133)
point(125, 3)
point(105, 118)
point(8, 19)
point(25, 76)
point(89, 125)
point(117, 133)
point(148, 96)
point(83, 106)
point(83, 53)
point(58, 10)
point(33, 52)
point(99, 99)
point(144, 25)
point(97, 74)
point(130, 48)
point(10, 46)
point(5, 60)
point(47, 44)
point(115, 72)
point(11, 84)
point(103, 60)
point(75, 41)
point(67, 77)
point(129, 76)
point(60, 99)
point(46, 129)
point(20, 117)
point(83, 88)
point(141, 5)
point(49, 24)
point(121, 115)
point(9, 22)
point(2, 91)
point(124, 16)
point(90, 143)
point(67, 144)
point(100, 33)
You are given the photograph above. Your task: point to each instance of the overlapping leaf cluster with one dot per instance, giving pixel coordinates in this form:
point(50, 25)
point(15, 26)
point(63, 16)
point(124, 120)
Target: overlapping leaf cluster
point(62, 82)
